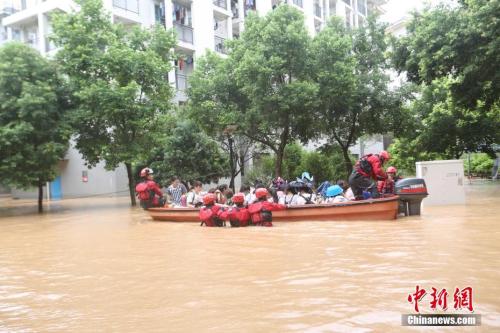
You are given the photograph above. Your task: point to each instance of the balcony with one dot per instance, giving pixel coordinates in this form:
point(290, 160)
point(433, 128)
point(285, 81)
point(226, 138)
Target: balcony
point(184, 33)
point(220, 3)
point(181, 82)
point(219, 45)
point(128, 5)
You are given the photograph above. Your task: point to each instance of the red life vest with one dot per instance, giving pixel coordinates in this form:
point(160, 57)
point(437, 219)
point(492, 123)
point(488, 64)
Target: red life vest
point(260, 215)
point(209, 216)
point(239, 217)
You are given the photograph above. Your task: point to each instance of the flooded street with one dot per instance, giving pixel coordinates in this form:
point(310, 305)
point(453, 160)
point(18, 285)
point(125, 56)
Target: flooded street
point(97, 265)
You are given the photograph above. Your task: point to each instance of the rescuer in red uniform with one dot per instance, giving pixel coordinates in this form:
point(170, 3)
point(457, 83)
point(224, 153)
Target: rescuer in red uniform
point(367, 170)
point(148, 192)
point(211, 214)
point(261, 210)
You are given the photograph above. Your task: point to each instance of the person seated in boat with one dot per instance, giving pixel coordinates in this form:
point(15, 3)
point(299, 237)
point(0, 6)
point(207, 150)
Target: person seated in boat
point(245, 189)
point(148, 192)
point(211, 214)
point(306, 196)
point(195, 196)
point(261, 211)
point(367, 170)
point(175, 191)
point(229, 197)
point(237, 215)
point(220, 194)
point(288, 196)
point(334, 194)
point(387, 186)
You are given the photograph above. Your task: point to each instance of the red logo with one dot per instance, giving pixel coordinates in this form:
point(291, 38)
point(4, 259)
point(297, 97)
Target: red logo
point(462, 299)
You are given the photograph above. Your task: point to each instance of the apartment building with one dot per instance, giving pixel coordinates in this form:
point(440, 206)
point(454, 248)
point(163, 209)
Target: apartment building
point(200, 25)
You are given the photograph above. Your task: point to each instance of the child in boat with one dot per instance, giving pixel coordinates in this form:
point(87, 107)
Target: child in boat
point(261, 211)
point(387, 186)
point(211, 214)
point(238, 215)
point(148, 191)
point(306, 196)
point(220, 194)
point(334, 194)
point(289, 196)
point(195, 196)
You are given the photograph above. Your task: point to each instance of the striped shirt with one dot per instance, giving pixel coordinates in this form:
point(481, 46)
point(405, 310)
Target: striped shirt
point(176, 193)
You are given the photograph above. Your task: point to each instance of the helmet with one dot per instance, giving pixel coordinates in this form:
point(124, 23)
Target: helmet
point(208, 199)
point(238, 198)
point(392, 169)
point(306, 176)
point(385, 155)
point(334, 190)
point(261, 193)
point(146, 172)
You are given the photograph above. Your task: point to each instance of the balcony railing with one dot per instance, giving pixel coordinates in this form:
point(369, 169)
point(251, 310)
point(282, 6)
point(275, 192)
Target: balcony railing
point(184, 32)
point(317, 10)
point(220, 3)
point(181, 82)
point(219, 45)
point(298, 3)
point(128, 5)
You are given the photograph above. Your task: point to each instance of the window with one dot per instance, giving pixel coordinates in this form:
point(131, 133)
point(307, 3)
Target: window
point(159, 14)
point(297, 3)
point(362, 7)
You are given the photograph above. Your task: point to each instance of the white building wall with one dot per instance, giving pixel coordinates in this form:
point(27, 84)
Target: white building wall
point(31, 24)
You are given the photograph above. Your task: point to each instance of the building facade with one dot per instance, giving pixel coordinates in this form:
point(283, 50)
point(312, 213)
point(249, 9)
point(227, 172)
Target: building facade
point(200, 25)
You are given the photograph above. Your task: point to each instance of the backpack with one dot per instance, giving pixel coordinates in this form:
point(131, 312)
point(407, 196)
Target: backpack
point(238, 217)
point(209, 218)
point(143, 193)
point(365, 165)
point(323, 187)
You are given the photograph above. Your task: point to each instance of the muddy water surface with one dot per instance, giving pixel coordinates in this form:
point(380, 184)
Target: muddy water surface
point(99, 266)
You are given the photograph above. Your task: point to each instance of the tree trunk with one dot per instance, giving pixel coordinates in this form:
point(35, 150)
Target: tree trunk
point(231, 163)
point(40, 197)
point(131, 184)
point(347, 160)
point(279, 161)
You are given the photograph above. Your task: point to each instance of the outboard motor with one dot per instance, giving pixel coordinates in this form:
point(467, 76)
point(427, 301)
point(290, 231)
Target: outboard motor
point(411, 192)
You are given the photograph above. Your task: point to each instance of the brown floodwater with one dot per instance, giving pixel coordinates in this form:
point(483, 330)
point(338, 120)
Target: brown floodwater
point(97, 265)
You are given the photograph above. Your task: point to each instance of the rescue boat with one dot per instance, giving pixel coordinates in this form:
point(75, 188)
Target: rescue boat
point(372, 209)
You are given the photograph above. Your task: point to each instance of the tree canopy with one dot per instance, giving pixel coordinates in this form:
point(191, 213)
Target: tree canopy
point(460, 42)
point(34, 133)
point(118, 77)
point(188, 152)
point(354, 97)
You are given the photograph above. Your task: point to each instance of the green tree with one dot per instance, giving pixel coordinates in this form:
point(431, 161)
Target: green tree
point(460, 42)
point(189, 152)
point(269, 65)
point(33, 132)
point(213, 104)
point(118, 76)
point(443, 127)
point(349, 66)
